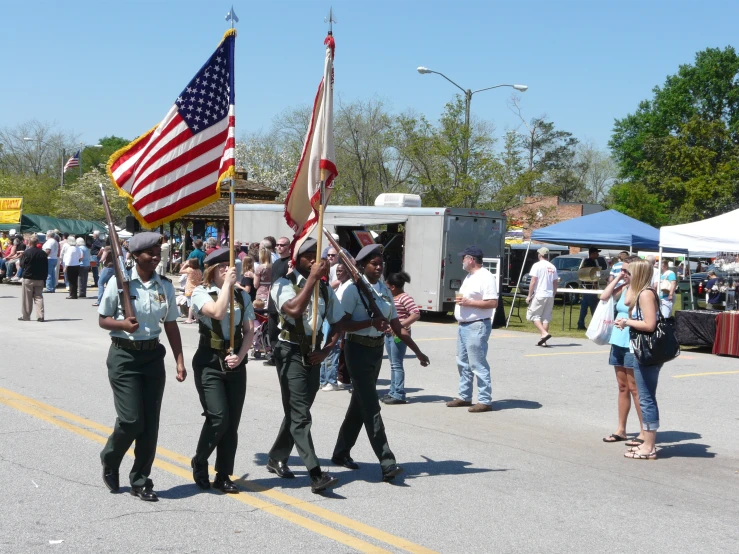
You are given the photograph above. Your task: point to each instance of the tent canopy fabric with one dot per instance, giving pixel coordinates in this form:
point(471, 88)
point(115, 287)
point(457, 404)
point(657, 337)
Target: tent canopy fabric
point(708, 237)
point(42, 223)
point(610, 229)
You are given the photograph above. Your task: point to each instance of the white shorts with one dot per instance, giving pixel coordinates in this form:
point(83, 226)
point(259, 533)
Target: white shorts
point(540, 308)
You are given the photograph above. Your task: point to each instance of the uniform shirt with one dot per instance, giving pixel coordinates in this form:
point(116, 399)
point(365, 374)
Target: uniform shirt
point(283, 290)
point(352, 304)
point(546, 276)
point(479, 285)
point(201, 296)
point(53, 247)
point(153, 302)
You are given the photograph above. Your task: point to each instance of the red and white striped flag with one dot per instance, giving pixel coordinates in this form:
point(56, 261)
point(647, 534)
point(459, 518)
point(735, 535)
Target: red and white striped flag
point(177, 166)
point(74, 161)
point(317, 160)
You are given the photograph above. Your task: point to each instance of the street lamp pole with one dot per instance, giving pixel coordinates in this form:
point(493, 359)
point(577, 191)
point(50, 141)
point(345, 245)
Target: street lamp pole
point(467, 101)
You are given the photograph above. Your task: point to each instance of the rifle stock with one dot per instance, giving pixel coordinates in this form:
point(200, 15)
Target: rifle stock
point(119, 265)
point(356, 277)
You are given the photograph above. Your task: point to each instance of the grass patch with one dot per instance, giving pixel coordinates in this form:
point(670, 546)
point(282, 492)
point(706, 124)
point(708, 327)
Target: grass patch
point(555, 326)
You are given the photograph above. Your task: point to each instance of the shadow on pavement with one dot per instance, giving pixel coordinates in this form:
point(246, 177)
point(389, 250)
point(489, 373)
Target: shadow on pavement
point(676, 436)
point(686, 450)
point(515, 404)
point(183, 491)
point(428, 398)
point(563, 345)
point(47, 320)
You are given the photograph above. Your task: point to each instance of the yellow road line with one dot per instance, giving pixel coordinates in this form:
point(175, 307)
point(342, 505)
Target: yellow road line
point(83, 425)
point(701, 374)
point(565, 354)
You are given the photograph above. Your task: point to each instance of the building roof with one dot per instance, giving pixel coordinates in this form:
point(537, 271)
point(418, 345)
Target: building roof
point(245, 192)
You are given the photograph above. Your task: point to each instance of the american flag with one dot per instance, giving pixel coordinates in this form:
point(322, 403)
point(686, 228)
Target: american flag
point(74, 161)
point(177, 167)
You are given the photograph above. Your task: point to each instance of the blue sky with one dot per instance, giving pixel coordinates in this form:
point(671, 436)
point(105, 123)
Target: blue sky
point(101, 68)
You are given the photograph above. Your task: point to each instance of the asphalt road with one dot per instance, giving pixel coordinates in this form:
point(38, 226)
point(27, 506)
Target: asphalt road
point(531, 476)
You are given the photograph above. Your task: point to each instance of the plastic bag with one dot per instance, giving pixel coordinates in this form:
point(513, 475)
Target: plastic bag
point(599, 330)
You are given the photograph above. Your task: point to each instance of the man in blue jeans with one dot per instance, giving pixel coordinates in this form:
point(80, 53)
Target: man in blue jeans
point(476, 301)
point(51, 247)
point(588, 301)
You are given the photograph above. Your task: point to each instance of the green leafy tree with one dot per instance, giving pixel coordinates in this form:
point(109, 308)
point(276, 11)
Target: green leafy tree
point(82, 199)
point(634, 200)
point(39, 192)
point(681, 144)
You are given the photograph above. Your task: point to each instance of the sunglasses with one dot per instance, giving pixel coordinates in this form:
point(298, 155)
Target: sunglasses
point(626, 271)
point(282, 245)
point(331, 255)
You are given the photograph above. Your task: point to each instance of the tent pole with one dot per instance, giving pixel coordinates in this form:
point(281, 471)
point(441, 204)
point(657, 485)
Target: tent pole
point(690, 282)
point(520, 276)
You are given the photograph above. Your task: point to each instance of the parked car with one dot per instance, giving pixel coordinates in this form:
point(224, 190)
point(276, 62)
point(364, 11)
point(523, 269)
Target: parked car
point(567, 268)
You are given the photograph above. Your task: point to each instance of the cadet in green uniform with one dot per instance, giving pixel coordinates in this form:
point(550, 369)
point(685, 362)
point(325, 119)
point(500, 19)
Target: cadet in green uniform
point(136, 364)
point(298, 368)
point(363, 349)
point(220, 378)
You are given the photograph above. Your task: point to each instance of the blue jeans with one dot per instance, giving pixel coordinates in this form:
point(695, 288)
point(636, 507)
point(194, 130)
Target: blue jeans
point(94, 269)
point(646, 383)
point(105, 274)
point(330, 366)
point(396, 353)
point(51, 276)
point(587, 301)
point(9, 269)
point(472, 352)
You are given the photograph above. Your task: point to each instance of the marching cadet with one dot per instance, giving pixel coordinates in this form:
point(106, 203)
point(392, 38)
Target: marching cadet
point(297, 367)
point(220, 377)
point(136, 364)
point(363, 348)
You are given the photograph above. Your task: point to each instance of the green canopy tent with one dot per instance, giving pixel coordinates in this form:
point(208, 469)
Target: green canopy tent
point(42, 223)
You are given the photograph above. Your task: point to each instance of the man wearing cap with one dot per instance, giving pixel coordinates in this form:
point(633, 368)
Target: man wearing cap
point(542, 289)
point(588, 300)
point(476, 303)
point(298, 367)
point(136, 364)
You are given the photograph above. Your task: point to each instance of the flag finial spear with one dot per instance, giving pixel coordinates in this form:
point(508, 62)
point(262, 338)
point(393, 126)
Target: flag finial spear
point(232, 17)
point(330, 20)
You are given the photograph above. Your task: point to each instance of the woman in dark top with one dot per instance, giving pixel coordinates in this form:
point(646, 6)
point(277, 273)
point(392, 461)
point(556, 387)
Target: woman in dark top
point(247, 277)
point(714, 296)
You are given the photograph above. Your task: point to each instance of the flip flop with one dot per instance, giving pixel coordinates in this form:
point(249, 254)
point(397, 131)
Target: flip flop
point(634, 442)
point(615, 438)
point(543, 340)
point(636, 455)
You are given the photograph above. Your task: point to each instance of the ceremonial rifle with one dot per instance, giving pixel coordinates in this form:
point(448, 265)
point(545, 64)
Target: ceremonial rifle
point(119, 265)
point(356, 277)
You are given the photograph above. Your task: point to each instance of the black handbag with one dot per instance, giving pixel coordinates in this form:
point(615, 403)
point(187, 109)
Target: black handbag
point(660, 345)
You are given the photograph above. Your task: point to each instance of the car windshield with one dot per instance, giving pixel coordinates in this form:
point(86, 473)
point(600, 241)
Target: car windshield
point(566, 264)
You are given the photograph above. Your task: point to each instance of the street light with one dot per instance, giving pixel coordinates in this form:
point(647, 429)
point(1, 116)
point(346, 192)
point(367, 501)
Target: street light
point(467, 101)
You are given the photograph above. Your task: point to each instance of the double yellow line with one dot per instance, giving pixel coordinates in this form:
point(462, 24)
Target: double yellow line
point(278, 504)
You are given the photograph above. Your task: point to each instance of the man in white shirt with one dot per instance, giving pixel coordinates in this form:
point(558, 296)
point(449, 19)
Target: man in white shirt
point(51, 247)
point(476, 301)
point(542, 290)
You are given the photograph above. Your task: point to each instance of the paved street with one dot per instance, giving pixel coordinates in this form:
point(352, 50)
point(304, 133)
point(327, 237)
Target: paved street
point(532, 476)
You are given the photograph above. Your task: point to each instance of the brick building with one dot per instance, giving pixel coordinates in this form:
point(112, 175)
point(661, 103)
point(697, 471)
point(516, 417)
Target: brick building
point(542, 211)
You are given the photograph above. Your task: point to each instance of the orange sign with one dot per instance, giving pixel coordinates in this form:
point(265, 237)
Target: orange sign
point(10, 210)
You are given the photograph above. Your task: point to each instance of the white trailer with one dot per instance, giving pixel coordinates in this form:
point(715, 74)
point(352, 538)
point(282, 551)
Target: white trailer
point(429, 243)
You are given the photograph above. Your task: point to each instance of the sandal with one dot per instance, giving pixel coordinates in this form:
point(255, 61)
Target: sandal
point(635, 442)
point(636, 455)
point(615, 438)
point(543, 340)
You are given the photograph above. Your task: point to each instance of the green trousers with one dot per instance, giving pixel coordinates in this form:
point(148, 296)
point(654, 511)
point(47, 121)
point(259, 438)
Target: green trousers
point(222, 395)
point(363, 363)
point(299, 385)
point(137, 379)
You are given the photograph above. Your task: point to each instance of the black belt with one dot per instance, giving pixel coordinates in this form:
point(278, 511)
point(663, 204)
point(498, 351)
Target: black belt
point(365, 340)
point(135, 344)
point(475, 321)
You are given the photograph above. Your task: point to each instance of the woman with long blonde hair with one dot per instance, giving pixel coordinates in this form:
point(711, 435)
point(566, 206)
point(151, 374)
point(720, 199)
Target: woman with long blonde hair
point(643, 304)
point(263, 274)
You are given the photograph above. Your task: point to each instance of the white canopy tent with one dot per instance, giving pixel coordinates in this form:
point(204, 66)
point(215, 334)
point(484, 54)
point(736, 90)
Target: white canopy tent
point(709, 237)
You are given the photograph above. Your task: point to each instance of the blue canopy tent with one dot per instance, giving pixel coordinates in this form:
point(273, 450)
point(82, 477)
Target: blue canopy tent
point(608, 229)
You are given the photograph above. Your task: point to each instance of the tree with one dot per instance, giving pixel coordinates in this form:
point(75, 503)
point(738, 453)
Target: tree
point(601, 171)
point(634, 200)
point(266, 160)
point(39, 192)
point(696, 108)
point(82, 199)
point(436, 155)
point(42, 154)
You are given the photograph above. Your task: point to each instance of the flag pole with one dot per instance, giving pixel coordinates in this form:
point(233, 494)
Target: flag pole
point(319, 237)
point(231, 16)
